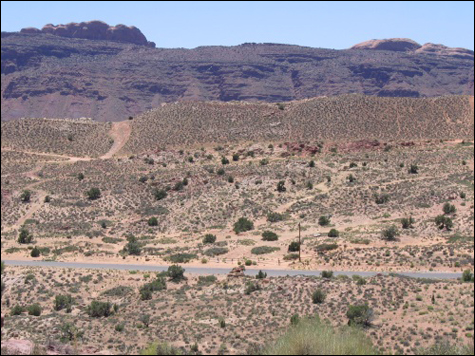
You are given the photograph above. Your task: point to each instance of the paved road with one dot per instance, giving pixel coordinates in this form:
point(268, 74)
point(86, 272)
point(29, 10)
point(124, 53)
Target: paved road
point(219, 271)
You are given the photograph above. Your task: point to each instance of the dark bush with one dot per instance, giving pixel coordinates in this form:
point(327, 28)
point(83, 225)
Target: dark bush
point(319, 297)
point(243, 225)
point(176, 273)
point(324, 221)
point(294, 247)
point(327, 274)
point(270, 236)
point(93, 194)
point(360, 315)
point(275, 217)
point(209, 239)
point(334, 233)
point(390, 234)
point(63, 302)
point(99, 309)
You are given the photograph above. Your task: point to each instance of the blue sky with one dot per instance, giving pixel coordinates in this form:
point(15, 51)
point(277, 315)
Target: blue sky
point(327, 24)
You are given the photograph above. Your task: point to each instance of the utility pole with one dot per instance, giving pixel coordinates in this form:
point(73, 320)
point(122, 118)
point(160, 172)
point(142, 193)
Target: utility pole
point(300, 244)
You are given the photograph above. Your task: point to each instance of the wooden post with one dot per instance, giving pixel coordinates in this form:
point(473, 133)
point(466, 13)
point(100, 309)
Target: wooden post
point(300, 244)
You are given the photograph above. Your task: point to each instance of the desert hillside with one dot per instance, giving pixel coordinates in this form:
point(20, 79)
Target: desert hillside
point(345, 118)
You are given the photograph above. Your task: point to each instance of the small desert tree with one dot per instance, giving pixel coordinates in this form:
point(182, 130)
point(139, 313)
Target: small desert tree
point(93, 194)
point(25, 237)
point(390, 234)
point(243, 225)
point(360, 315)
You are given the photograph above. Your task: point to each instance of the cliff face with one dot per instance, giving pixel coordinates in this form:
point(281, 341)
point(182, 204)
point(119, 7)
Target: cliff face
point(92, 71)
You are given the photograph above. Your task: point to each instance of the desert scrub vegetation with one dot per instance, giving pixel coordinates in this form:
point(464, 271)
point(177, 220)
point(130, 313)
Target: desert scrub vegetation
point(311, 336)
point(190, 123)
point(185, 310)
point(263, 250)
point(80, 138)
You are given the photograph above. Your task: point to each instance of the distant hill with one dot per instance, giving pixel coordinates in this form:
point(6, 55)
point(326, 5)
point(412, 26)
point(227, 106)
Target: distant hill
point(62, 73)
point(346, 118)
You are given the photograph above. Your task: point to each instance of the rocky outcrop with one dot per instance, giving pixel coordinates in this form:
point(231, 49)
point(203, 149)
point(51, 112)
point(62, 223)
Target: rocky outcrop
point(441, 50)
point(407, 45)
point(392, 44)
point(94, 30)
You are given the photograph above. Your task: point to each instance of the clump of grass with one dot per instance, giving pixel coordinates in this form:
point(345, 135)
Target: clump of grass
point(313, 337)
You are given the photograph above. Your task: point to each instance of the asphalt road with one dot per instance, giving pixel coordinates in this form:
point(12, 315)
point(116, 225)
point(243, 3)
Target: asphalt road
point(221, 271)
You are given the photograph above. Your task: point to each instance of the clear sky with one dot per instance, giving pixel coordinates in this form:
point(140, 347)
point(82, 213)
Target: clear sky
point(327, 24)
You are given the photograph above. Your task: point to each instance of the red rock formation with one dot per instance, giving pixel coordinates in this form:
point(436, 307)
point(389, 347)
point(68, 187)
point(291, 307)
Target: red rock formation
point(392, 44)
point(441, 50)
point(95, 30)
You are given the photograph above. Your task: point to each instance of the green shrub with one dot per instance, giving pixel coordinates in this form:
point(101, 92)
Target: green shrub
point(444, 222)
point(153, 221)
point(294, 246)
point(319, 297)
point(334, 233)
point(145, 294)
point(216, 251)
point(359, 280)
point(34, 310)
point(35, 253)
point(270, 236)
point(251, 288)
point(295, 319)
point(182, 258)
point(157, 285)
point(281, 187)
point(263, 250)
point(209, 239)
point(291, 257)
point(243, 225)
point(360, 315)
point(326, 247)
point(99, 309)
point(324, 221)
point(467, 276)
point(382, 199)
point(176, 273)
point(327, 274)
point(275, 217)
point(414, 169)
point(390, 234)
point(25, 237)
point(160, 194)
point(25, 196)
point(93, 194)
point(63, 302)
point(407, 223)
point(449, 209)
point(133, 248)
point(261, 275)
point(17, 310)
